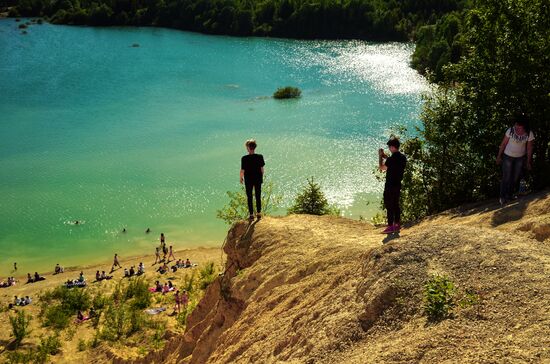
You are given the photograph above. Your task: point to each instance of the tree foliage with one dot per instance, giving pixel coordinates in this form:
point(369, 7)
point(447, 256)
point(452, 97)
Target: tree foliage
point(330, 19)
point(237, 208)
point(20, 326)
point(503, 73)
point(312, 201)
point(287, 92)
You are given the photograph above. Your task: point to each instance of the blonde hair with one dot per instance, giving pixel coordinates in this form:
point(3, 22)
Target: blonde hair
point(251, 143)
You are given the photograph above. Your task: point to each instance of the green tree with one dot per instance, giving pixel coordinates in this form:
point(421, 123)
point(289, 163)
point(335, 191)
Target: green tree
point(20, 326)
point(237, 208)
point(312, 201)
point(505, 72)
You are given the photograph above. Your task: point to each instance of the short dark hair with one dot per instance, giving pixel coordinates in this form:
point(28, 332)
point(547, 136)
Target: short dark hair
point(522, 120)
point(393, 142)
point(251, 143)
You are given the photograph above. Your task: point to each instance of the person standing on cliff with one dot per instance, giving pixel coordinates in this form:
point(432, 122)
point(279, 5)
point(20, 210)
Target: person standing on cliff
point(252, 173)
point(515, 152)
point(394, 166)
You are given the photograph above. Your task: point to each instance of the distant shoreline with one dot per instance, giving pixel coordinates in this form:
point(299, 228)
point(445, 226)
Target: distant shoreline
point(147, 259)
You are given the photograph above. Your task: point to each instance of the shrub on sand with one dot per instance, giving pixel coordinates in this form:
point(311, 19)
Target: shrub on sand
point(20, 326)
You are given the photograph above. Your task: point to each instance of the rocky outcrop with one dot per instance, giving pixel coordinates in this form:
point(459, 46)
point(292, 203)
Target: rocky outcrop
point(310, 289)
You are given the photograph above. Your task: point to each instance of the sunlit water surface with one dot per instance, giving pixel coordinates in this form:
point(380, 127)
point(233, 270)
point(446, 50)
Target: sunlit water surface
point(115, 136)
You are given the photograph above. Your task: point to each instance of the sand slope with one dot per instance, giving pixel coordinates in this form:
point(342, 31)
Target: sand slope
point(305, 289)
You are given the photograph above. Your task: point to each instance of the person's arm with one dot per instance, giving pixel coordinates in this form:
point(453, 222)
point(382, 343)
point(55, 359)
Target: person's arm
point(529, 154)
point(242, 171)
point(262, 163)
point(502, 147)
point(381, 157)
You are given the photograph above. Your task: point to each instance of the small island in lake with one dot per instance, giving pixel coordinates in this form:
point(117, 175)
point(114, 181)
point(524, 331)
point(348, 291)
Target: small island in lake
point(287, 92)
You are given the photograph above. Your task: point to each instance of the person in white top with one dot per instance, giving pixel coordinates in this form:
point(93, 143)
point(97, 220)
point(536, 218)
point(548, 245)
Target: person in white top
point(515, 152)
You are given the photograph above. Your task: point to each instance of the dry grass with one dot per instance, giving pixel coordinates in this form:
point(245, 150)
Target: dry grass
point(304, 289)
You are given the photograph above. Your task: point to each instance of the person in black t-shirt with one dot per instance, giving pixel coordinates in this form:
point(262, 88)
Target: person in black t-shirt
point(252, 174)
point(394, 167)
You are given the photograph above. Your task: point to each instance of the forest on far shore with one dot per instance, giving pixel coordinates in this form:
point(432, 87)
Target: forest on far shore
point(375, 20)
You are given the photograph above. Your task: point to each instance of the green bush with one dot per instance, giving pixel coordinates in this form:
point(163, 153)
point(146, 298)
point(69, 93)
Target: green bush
point(237, 208)
point(439, 294)
point(70, 299)
point(116, 321)
point(20, 326)
point(287, 92)
point(158, 336)
point(138, 291)
point(312, 201)
point(95, 341)
point(207, 275)
point(24, 357)
point(137, 321)
point(50, 345)
point(81, 346)
point(100, 301)
point(189, 282)
point(56, 316)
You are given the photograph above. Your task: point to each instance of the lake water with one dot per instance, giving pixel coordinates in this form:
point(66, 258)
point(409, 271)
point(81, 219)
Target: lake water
point(115, 136)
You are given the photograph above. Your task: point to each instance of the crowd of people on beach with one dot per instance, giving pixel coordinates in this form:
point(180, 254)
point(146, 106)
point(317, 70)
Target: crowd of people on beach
point(80, 282)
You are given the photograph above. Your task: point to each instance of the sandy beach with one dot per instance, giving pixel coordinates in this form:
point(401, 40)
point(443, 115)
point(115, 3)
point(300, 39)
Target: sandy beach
point(74, 333)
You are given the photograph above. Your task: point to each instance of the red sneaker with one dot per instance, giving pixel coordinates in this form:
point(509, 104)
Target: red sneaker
point(396, 228)
point(388, 230)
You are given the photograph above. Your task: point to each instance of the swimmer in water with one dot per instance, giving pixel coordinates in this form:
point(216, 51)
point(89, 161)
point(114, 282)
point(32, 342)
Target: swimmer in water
point(76, 222)
point(124, 230)
point(147, 231)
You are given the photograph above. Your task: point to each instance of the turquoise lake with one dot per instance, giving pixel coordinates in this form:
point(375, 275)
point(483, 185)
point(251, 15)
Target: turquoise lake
point(116, 136)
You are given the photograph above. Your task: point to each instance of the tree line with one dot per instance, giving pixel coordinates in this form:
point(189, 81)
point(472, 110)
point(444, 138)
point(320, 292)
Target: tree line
point(327, 19)
point(496, 69)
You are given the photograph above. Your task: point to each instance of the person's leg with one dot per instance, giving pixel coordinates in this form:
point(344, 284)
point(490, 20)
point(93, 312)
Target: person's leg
point(517, 169)
point(506, 177)
point(397, 208)
point(248, 188)
point(258, 190)
point(389, 206)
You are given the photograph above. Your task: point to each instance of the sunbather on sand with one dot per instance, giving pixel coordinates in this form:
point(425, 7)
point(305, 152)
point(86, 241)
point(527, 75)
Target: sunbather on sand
point(163, 269)
point(141, 269)
point(38, 277)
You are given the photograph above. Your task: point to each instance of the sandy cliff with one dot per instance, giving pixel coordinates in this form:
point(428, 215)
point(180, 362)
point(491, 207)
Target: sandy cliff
point(308, 289)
